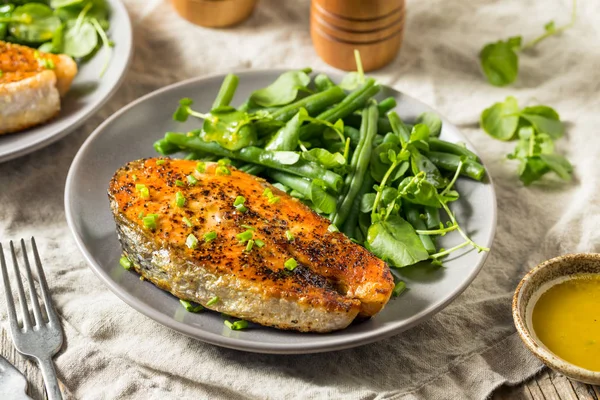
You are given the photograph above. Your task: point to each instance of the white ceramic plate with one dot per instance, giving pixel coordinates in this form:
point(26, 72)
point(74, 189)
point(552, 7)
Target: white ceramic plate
point(128, 135)
point(88, 93)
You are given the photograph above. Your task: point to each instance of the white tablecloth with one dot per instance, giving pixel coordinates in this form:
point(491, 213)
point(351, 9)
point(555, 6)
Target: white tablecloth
point(467, 350)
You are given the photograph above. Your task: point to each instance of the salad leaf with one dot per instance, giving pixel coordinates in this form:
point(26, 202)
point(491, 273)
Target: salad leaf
point(501, 119)
point(283, 91)
point(545, 120)
point(325, 158)
point(500, 62)
point(433, 122)
point(80, 39)
point(321, 199)
point(37, 23)
point(396, 241)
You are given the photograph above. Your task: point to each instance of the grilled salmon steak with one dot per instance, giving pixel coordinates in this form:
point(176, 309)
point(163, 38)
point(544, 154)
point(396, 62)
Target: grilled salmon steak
point(203, 232)
point(31, 83)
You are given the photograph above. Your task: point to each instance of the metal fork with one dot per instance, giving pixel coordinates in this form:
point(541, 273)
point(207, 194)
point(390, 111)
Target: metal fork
point(42, 339)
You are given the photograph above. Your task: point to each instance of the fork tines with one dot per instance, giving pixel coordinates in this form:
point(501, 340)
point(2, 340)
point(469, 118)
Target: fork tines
point(38, 318)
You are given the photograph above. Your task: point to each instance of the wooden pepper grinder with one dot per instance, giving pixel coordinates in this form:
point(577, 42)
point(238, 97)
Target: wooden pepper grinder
point(374, 27)
point(214, 13)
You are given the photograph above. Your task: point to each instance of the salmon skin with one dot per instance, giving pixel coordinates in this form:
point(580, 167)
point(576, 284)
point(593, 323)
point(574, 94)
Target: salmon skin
point(31, 84)
point(329, 282)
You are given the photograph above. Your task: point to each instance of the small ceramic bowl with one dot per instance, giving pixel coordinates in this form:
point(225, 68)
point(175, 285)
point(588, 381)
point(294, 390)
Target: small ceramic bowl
point(536, 282)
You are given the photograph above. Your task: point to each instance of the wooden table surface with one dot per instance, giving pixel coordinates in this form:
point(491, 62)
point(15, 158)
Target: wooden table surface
point(548, 385)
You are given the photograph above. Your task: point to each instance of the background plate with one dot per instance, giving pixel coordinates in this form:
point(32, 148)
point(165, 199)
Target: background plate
point(128, 135)
point(88, 93)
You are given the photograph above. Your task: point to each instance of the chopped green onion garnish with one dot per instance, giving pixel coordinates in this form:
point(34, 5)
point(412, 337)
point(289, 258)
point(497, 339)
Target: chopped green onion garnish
point(237, 325)
point(249, 245)
point(179, 199)
point(179, 183)
point(239, 204)
point(290, 264)
point(212, 301)
point(268, 193)
point(248, 227)
point(191, 307)
point(144, 192)
point(224, 161)
point(191, 241)
point(399, 288)
point(150, 221)
point(222, 170)
point(289, 235)
point(259, 243)
point(239, 201)
point(160, 162)
point(332, 228)
point(209, 236)
point(187, 221)
point(125, 263)
point(274, 199)
point(191, 180)
point(201, 167)
point(134, 177)
point(141, 215)
point(244, 236)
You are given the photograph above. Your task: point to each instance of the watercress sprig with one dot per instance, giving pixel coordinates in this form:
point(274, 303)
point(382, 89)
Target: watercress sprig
point(536, 128)
point(500, 60)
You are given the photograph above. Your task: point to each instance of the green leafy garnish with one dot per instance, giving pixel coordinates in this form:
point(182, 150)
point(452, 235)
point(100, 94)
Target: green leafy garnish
point(500, 60)
point(536, 128)
point(283, 91)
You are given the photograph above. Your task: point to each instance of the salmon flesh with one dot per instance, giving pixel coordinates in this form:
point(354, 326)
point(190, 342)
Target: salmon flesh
point(330, 282)
point(31, 84)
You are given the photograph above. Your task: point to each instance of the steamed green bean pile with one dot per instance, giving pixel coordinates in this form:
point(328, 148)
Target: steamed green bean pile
point(384, 183)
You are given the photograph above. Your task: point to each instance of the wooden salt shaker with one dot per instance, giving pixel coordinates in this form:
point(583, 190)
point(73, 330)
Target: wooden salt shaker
point(374, 27)
point(214, 13)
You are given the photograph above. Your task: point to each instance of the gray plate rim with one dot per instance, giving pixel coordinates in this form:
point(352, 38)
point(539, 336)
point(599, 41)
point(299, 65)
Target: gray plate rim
point(35, 145)
point(232, 343)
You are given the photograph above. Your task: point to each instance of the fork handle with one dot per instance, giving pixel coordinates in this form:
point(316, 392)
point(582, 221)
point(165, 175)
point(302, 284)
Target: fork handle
point(50, 380)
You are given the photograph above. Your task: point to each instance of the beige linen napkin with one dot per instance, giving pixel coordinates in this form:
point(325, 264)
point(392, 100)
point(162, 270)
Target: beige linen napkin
point(464, 352)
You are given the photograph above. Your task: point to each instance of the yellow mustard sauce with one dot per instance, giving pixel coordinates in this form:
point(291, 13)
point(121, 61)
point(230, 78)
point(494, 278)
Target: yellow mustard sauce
point(566, 318)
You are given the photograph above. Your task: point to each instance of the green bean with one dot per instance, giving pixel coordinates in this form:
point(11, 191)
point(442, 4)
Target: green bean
point(322, 82)
point(413, 216)
point(315, 103)
point(386, 105)
point(399, 128)
point(442, 146)
point(450, 162)
point(358, 165)
point(351, 224)
point(297, 183)
point(261, 157)
point(355, 100)
point(432, 217)
point(383, 124)
point(162, 146)
point(251, 169)
point(226, 91)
